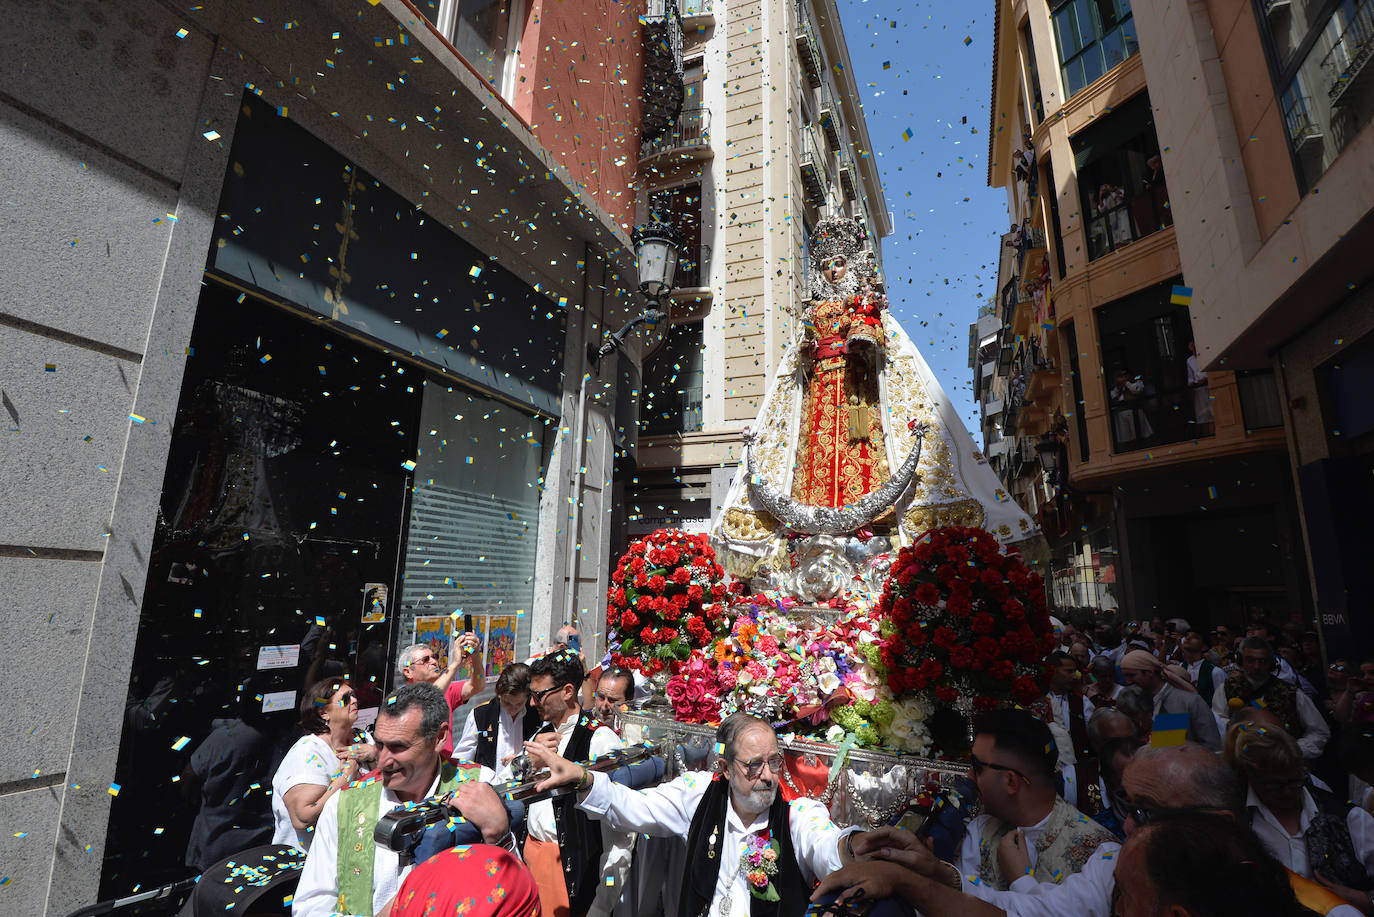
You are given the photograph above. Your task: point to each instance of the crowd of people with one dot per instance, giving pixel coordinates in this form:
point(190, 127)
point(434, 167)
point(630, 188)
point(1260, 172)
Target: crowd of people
point(1167, 770)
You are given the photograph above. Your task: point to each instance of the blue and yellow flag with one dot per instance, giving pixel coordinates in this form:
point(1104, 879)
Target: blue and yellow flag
point(1169, 729)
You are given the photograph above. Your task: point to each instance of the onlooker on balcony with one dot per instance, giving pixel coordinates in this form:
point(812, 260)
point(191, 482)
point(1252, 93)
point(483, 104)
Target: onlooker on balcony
point(1202, 396)
point(1128, 420)
point(1110, 199)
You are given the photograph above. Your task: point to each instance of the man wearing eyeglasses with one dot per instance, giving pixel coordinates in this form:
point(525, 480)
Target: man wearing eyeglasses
point(580, 866)
point(1260, 683)
point(418, 665)
point(1027, 832)
point(1178, 778)
point(724, 815)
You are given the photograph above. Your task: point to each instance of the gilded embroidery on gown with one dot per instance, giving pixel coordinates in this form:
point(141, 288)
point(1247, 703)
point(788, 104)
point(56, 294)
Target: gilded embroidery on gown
point(841, 455)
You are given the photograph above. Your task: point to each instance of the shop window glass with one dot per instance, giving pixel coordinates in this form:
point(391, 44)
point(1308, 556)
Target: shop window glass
point(473, 523)
point(1146, 343)
point(1121, 179)
point(279, 525)
point(1093, 37)
point(673, 382)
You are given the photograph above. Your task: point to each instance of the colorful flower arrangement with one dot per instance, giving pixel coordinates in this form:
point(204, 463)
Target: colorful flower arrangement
point(667, 597)
point(964, 622)
point(958, 623)
point(759, 863)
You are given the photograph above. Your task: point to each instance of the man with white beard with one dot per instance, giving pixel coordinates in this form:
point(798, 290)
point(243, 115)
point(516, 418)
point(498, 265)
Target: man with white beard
point(734, 821)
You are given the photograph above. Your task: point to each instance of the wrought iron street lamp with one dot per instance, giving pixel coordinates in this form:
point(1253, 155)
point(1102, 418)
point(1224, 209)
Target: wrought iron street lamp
point(656, 252)
point(1048, 450)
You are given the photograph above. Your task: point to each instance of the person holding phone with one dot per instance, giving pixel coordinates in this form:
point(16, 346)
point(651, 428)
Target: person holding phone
point(418, 665)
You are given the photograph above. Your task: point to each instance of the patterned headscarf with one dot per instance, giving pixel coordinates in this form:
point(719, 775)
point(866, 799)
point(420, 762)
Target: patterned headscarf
point(475, 881)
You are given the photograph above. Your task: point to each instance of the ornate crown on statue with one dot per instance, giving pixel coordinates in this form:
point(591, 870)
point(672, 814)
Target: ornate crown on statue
point(836, 236)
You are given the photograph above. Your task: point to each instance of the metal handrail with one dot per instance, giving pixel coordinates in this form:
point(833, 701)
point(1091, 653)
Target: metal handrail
point(666, 12)
point(693, 273)
point(691, 129)
point(1355, 45)
point(811, 149)
point(1298, 120)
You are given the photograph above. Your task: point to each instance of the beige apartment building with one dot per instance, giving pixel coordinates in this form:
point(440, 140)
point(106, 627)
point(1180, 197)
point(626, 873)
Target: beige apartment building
point(1158, 472)
point(1268, 127)
point(771, 139)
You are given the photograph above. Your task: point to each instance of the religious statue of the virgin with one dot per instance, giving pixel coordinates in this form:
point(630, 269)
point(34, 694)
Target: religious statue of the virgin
point(856, 449)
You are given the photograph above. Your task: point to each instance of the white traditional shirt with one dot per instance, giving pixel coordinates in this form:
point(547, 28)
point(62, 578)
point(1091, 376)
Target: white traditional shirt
point(1087, 893)
point(509, 737)
point(1291, 850)
point(1218, 674)
point(666, 811)
point(318, 891)
point(617, 847)
point(1062, 713)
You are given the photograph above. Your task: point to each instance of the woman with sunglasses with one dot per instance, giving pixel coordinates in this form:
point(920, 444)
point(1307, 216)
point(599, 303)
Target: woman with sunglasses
point(320, 764)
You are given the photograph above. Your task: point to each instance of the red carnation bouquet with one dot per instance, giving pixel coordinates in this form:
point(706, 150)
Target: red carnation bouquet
point(965, 622)
point(667, 597)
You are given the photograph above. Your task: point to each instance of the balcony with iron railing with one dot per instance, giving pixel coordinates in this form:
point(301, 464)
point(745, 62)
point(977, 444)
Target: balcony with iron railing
point(694, 269)
point(663, 83)
point(848, 183)
point(1117, 219)
point(1302, 129)
point(696, 14)
point(815, 170)
point(688, 137)
point(809, 47)
point(1346, 64)
point(829, 118)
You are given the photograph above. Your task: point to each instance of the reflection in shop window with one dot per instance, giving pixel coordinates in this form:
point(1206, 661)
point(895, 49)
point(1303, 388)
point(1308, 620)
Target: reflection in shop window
point(1146, 345)
point(673, 378)
point(474, 521)
point(1326, 77)
point(1093, 37)
point(1121, 179)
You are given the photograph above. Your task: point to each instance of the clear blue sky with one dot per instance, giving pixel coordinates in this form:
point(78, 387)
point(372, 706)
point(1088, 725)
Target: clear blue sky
point(940, 261)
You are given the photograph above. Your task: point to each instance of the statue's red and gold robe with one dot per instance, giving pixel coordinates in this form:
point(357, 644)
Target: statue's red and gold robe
point(841, 454)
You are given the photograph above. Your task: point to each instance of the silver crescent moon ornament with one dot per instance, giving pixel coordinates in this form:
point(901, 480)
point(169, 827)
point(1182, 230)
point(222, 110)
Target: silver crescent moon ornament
point(829, 520)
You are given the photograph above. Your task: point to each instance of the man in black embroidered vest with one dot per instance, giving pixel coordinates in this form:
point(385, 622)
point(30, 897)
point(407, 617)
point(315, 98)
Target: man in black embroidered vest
point(726, 816)
point(580, 865)
point(1205, 676)
point(496, 731)
point(1258, 684)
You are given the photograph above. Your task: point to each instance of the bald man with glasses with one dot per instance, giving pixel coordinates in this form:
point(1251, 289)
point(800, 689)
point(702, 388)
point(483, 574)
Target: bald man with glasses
point(1182, 778)
point(721, 814)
